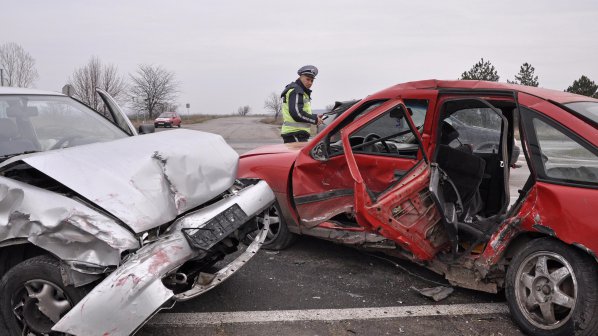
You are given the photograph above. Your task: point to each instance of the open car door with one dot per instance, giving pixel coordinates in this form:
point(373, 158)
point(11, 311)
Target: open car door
point(119, 118)
point(402, 210)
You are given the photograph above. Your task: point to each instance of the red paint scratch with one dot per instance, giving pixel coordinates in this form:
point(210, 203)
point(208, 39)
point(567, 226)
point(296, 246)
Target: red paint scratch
point(160, 259)
point(123, 280)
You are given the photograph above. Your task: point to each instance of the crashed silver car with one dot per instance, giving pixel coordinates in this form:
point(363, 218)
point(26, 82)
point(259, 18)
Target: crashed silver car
point(100, 227)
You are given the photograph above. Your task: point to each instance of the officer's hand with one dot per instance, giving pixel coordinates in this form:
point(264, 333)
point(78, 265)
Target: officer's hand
point(320, 120)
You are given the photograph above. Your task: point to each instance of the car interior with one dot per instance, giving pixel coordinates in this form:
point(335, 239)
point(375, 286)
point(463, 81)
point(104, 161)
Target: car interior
point(469, 177)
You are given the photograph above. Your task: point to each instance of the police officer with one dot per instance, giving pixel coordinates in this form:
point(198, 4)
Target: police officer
point(296, 109)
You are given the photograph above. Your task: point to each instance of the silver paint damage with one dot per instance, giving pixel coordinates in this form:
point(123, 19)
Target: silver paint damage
point(147, 180)
point(141, 182)
point(123, 301)
point(66, 228)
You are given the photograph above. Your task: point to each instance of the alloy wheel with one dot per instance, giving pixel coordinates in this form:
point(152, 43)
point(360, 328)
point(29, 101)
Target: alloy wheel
point(546, 290)
point(274, 228)
point(38, 305)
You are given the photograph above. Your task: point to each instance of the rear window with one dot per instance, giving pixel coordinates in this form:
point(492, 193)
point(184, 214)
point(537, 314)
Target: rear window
point(587, 109)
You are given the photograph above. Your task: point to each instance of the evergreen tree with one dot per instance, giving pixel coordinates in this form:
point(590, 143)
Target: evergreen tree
point(584, 86)
point(482, 70)
point(526, 76)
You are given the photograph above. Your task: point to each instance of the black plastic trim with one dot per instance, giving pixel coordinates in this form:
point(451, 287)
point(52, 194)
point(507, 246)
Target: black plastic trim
point(323, 196)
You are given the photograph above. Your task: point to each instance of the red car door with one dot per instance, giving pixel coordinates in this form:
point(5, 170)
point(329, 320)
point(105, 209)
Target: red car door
point(381, 177)
point(321, 184)
point(404, 211)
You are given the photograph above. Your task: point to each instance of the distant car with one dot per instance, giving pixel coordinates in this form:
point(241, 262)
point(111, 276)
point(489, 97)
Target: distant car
point(421, 171)
point(168, 119)
point(101, 228)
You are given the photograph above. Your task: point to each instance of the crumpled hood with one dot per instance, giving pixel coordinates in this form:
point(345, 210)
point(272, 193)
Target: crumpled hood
point(292, 147)
point(145, 180)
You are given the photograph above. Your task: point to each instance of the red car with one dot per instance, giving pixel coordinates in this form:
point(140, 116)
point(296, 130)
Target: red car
point(393, 173)
point(168, 119)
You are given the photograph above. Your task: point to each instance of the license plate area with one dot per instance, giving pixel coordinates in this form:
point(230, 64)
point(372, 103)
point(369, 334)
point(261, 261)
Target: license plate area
point(216, 229)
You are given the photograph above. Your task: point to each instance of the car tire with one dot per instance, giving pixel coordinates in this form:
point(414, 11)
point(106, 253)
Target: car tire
point(551, 290)
point(279, 237)
point(25, 286)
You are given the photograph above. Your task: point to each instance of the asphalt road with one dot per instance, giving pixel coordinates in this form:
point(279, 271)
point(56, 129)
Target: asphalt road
point(319, 288)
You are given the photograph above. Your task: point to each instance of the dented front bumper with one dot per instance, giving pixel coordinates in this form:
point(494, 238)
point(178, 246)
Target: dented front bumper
point(134, 292)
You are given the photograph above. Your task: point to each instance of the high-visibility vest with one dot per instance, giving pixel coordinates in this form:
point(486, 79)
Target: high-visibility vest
point(289, 125)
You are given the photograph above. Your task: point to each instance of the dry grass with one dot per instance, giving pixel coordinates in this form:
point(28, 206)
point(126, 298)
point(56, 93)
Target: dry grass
point(271, 121)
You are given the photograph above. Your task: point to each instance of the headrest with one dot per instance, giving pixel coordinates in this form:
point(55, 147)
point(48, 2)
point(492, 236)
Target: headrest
point(448, 133)
point(8, 129)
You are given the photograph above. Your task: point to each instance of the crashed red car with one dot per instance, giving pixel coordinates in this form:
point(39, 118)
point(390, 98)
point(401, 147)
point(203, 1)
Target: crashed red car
point(393, 173)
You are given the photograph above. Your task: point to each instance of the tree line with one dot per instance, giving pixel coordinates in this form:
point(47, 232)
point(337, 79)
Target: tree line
point(151, 89)
point(484, 70)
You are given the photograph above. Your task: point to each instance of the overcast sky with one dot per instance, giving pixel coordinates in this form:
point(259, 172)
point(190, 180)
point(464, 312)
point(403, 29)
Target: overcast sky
point(231, 53)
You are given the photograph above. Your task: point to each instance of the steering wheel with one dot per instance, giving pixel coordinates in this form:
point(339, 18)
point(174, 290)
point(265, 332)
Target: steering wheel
point(372, 147)
point(61, 142)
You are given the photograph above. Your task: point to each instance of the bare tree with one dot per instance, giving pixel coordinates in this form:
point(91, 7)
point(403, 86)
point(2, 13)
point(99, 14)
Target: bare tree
point(273, 104)
point(18, 65)
point(155, 89)
point(243, 110)
point(94, 75)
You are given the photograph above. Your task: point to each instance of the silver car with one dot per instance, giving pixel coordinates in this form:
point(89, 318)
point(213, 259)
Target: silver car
point(100, 227)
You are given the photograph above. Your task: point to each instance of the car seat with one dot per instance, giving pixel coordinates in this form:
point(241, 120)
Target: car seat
point(463, 168)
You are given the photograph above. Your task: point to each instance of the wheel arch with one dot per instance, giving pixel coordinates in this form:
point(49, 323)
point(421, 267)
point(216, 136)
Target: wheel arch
point(517, 243)
point(18, 251)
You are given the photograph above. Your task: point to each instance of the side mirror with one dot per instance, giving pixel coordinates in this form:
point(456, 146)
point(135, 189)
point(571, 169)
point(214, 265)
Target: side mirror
point(68, 90)
point(319, 153)
point(146, 129)
point(398, 112)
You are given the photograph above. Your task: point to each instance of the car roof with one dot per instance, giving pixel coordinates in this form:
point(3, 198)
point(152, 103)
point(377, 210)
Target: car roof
point(435, 84)
point(23, 91)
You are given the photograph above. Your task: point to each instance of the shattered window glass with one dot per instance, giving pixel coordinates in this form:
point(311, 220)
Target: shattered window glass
point(478, 128)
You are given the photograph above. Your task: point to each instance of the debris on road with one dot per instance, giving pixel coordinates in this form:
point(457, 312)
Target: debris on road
point(436, 293)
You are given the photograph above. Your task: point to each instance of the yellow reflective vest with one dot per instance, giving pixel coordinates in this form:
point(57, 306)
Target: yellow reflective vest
point(296, 109)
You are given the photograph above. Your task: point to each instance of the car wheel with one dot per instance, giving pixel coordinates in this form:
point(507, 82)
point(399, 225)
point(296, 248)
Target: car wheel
point(551, 290)
point(33, 297)
point(279, 237)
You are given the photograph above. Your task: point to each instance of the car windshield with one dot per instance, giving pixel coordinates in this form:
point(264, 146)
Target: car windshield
point(31, 123)
point(587, 109)
point(166, 115)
